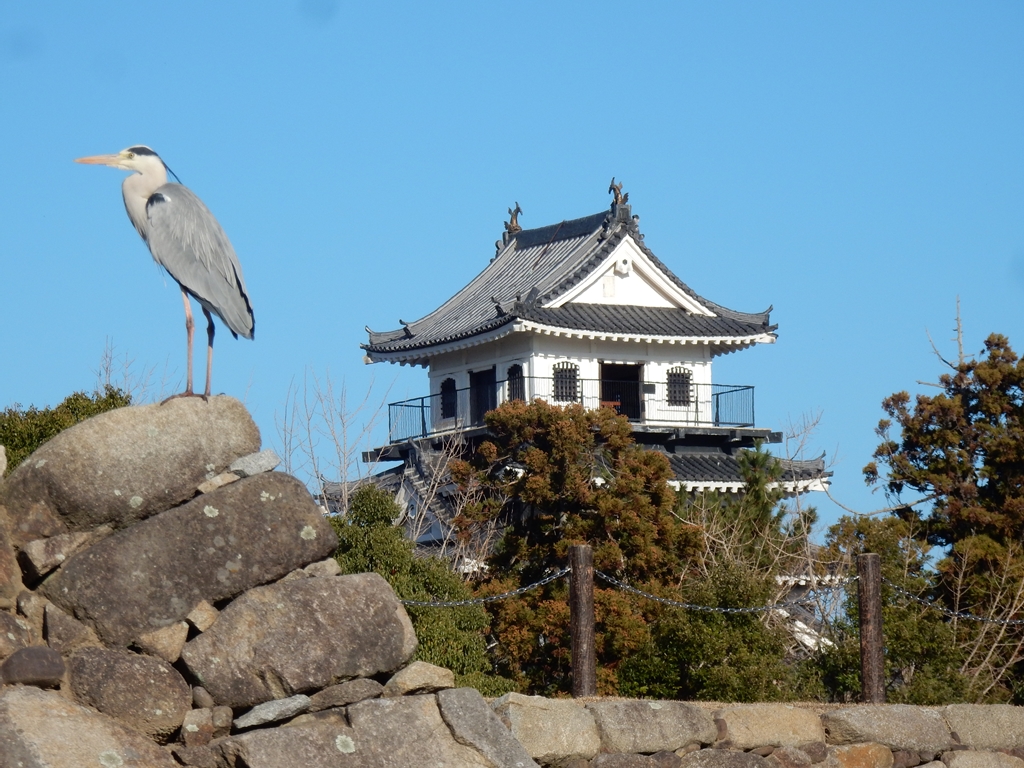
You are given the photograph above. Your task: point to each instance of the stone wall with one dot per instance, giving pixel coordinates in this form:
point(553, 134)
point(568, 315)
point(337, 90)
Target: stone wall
point(166, 599)
point(634, 734)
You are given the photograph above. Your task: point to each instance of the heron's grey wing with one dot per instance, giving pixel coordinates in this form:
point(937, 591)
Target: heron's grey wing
point(186, 240)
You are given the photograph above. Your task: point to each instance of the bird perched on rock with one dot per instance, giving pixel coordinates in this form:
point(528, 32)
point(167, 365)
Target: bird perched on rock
point(186, 240)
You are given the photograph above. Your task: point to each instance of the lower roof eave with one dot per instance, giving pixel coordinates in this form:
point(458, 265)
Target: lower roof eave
point(421, 355)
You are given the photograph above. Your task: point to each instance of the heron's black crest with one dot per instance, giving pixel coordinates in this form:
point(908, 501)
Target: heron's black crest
point(156, 197)
point(142, 151)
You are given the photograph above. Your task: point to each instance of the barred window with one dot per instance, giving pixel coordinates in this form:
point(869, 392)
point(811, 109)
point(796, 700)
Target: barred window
point(516, 384)
point(567, 376)
point(449, 399)
point(679, 386)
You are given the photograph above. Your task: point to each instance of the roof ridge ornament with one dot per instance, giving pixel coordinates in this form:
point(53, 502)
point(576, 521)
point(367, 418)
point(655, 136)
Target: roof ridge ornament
point(512, 225)
point(616, 190)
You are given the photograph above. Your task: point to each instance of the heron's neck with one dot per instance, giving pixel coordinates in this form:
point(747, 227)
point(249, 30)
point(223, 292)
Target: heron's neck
point(137, 189)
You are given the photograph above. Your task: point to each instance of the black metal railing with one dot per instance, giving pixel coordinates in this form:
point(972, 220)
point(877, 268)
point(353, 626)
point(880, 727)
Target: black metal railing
point(708, 405)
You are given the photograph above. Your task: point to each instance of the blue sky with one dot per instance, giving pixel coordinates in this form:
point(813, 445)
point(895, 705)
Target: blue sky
point(858, 166)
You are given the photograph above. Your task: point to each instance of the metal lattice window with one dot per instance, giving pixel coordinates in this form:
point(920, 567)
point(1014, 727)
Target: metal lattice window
point(680, 385)
point(516, 383)
point(449, 399)
point(567, 378)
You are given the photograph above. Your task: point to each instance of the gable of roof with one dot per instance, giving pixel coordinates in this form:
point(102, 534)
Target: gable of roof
point(534, 267)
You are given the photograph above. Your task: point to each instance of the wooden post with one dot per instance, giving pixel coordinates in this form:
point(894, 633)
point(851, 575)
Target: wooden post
point(581, 620)
point(872, 655)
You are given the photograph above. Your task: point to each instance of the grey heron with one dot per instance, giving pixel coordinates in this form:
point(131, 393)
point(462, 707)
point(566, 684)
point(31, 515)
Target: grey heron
point(186, 240)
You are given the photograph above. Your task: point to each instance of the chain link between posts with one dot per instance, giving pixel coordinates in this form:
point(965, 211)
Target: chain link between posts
point(809, 597)
point(951, 614)
point(490, 598)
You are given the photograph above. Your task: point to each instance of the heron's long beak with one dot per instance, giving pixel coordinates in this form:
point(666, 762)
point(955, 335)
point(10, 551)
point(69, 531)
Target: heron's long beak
point(100, 160)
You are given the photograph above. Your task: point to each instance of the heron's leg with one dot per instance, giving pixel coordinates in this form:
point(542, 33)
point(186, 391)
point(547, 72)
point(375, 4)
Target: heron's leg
point(190, 329)
point(209, 349)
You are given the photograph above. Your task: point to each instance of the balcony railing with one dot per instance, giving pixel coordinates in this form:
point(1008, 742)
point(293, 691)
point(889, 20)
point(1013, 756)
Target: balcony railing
point(701, 405)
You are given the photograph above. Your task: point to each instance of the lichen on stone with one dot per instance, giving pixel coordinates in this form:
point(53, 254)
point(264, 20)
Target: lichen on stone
point(345, 744)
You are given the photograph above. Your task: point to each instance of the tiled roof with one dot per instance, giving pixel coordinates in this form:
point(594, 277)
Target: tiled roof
point(721, 469)
point(535, 266)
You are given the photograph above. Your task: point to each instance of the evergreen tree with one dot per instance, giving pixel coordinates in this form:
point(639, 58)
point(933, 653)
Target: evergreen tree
point(961, 452)
point(559, 476)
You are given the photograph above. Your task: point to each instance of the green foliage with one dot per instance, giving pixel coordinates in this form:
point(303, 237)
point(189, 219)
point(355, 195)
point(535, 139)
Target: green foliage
point(922, 659)
point(699, 655)
point(24, 430)
point(449, 637)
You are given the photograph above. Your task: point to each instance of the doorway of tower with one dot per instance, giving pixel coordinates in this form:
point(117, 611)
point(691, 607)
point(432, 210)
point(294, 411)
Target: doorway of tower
point(483, 394)
point(620, 389)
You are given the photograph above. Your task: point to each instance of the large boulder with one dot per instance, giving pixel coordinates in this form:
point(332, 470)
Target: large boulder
point(651, 726)
point(551, 730)
point(145, 693)
point(986, 726)
point(896, 726)
point(301, 635)
point(125, 465)
point(216, 546)
point(473, 723)
point(41, 729)
point(748, 726)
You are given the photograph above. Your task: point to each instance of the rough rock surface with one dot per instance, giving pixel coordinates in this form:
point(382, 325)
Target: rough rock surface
point(383, 732)
point(145, 693)
point(65, 634)
point(980, 759)
point(43, 555)
point(345, 693)
point(790, 757)
point(757, 725)
point(419, 677)
point(650, 726)
point(722, 758)
point(858, 756)
point(14, 634)
point(10, 572)
point(550, 730)
point(255, 463)
point(218, 481)
point(203, 616)
point(473, 723)
point(328, 567)
point(298, 636)
point(197, 727)
point(897, 726)
point(988, 726)
point(36, 665)
point(41, 729)
point(660, 760)
point(125, 465)
point(165, 642)
point(272, 711)
point(154, 573)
